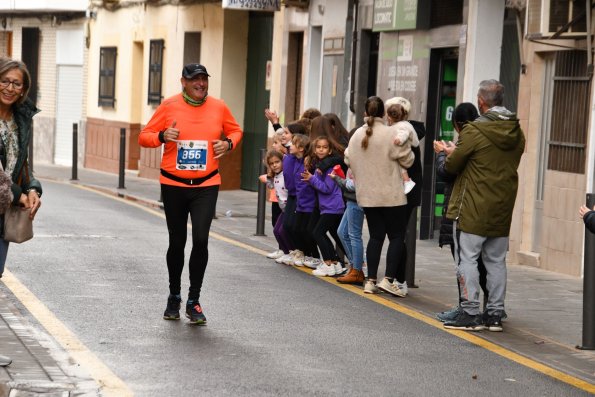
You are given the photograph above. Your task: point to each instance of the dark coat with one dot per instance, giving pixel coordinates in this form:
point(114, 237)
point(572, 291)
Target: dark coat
point(589, 220)
point(415, 171)
point(22, 175)
point(445, 237)
point(485, 160)
point(23, 117)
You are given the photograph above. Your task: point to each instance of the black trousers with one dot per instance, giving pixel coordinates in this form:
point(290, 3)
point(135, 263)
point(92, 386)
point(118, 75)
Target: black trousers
point(327, 223)
point(200, 203)
point(303, 238)
point(384, 222)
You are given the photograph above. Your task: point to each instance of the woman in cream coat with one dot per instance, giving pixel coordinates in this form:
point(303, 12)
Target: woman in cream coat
point(374, 161)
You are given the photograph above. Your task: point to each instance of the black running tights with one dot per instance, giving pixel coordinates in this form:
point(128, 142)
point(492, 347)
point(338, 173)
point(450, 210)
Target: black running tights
point(200, 203)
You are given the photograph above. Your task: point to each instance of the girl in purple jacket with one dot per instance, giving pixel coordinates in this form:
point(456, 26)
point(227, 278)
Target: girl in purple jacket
point(289, 164)
point(305, 203)
point(331, 205)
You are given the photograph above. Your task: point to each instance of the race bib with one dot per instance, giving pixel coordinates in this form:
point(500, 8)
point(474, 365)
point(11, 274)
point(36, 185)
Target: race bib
point(192, 155)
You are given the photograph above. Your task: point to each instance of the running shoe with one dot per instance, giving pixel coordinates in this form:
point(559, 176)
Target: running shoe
point(172, 311)
point(195, 314)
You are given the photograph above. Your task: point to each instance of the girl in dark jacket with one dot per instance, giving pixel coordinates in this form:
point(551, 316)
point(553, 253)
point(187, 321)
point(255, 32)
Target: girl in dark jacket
point(330, 205)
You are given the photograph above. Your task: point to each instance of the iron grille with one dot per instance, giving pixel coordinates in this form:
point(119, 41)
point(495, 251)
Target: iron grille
point(570, 113)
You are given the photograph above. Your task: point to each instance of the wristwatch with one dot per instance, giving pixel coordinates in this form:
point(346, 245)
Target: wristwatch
point(229, 141)
point(35, 190)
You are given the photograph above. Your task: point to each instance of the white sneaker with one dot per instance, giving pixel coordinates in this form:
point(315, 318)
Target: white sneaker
point(292, 255)
point(339, 269)
point(275, 254)
point(298, 258)
point(283, 258)
point(312, 263)
point(324, 270)
point(408, 185)
point(402, 286)
point(389, 287)
point(370, 287)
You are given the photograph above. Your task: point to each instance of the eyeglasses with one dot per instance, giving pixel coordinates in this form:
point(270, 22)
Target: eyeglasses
point(17, 85)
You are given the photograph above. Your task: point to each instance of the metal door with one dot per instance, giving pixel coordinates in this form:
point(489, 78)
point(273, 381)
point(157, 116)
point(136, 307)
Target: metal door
point(260, 44)
point(69, 108)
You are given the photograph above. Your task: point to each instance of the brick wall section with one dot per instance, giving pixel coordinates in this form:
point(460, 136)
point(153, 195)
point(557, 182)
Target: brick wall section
point(102, 149)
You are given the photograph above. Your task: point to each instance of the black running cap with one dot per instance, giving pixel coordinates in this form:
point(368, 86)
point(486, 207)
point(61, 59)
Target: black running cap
point(193, 69)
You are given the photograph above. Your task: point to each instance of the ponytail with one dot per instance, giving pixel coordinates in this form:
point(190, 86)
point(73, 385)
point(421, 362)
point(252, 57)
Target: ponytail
point(374, 108)
point(369, 131)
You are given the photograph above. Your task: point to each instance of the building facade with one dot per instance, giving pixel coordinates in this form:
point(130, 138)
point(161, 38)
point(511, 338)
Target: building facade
point(556, 93)
point(49, 36)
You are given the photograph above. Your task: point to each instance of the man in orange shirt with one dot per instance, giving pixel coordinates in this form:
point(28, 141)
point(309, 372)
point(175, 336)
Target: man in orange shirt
point(196, 130)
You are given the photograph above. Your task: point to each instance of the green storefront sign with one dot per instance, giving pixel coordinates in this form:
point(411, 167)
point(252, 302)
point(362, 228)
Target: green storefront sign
point(395, 15)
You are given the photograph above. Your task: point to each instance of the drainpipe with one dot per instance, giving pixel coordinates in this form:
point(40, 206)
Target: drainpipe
point(589, 40)
point(354, 43)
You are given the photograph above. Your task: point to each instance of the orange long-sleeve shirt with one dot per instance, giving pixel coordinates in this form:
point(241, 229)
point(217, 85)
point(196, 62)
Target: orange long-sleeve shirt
point(201, 123)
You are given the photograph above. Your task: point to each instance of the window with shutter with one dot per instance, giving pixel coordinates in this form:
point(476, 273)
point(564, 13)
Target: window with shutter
point(107, 76)
point(155, 71)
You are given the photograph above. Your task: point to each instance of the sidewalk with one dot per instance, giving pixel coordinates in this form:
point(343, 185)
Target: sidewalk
point(544, 308)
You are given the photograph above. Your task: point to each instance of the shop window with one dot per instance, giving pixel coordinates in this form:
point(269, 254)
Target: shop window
point(107, 76)
point(570, 113)
point(155, 71)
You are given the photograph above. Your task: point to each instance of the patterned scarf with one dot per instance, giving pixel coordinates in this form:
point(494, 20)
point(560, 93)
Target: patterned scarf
point(191, 101)
point(9, 136)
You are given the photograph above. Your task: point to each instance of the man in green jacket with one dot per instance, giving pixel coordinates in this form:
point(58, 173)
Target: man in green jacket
point(485, 161)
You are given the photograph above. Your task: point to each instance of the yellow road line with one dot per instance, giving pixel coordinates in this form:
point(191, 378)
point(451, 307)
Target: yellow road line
point(110, 384)
point(508, 354)
point(469, 337)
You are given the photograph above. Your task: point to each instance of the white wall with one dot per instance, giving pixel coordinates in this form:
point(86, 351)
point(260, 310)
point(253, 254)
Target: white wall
point(34, 5)
point(484, 45)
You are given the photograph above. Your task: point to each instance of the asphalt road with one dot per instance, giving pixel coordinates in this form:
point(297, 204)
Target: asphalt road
point(98, 264)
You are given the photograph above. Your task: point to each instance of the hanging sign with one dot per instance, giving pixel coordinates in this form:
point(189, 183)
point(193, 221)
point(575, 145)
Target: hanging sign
point(400, 15)
point(252, 5)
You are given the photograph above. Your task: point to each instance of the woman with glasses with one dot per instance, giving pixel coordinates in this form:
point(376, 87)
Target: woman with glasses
point(16, 120)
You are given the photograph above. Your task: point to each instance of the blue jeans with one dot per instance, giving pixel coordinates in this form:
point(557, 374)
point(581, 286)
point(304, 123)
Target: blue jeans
point(3, 254)
point(350, 233)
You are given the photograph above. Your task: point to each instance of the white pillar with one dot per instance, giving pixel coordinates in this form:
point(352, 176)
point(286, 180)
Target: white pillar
point(484, 45)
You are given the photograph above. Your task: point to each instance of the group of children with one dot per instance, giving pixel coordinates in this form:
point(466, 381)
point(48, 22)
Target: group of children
point(315, 196)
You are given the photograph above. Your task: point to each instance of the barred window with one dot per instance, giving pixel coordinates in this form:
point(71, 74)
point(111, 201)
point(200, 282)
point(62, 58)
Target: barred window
point(107, 76)
point(155, 71)
point(570, 113)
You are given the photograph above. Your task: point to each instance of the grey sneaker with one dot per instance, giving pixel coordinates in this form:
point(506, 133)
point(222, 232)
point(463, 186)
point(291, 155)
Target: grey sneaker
point(391, 288)
point(449, 315)
point(465, 322)
point(370, 287)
